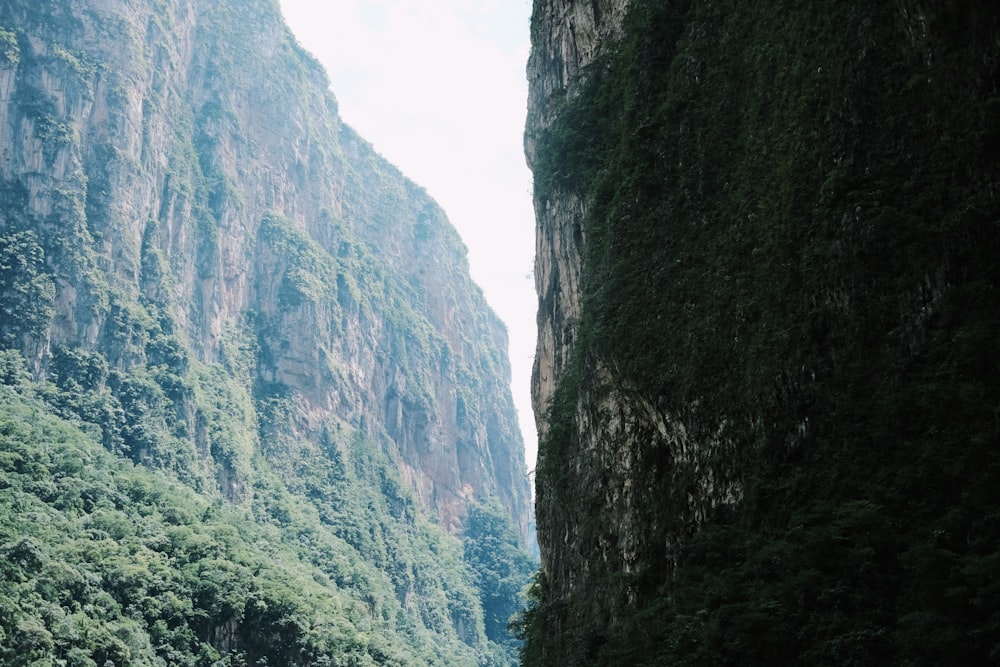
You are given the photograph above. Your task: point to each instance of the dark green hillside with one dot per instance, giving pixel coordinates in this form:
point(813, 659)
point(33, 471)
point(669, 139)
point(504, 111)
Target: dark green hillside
point(792, 246)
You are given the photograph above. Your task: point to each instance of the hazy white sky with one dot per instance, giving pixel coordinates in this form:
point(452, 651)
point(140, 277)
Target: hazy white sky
point(439, 89)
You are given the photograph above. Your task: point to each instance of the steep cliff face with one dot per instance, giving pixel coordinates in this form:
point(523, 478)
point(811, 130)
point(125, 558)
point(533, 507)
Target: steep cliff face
point(165, 166)
point(764, 241)
point(231, 278)
point(566, 37)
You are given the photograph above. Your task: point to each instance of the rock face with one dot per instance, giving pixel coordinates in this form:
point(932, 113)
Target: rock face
point(756, 229)
point(185, 172)
point(251, 402)
point(566, 37)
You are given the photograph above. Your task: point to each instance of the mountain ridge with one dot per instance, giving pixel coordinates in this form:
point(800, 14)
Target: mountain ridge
point(208, 272)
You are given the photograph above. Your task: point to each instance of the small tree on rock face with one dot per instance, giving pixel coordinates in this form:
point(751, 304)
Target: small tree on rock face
point(500, 567)
point(26, 292)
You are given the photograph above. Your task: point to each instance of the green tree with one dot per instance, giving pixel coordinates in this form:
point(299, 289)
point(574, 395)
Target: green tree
point(26, 290)
point(500, 567)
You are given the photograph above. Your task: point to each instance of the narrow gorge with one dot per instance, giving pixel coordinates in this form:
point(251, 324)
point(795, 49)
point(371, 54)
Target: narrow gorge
point(767, 374)
point(253, 409)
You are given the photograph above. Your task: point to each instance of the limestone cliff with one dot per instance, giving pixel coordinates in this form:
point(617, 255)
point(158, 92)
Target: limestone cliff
point(228, 283)
point(763, 267)
point(566, 37)
point(178, 184)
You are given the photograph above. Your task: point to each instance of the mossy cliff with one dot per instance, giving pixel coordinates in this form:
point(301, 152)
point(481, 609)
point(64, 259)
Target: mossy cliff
point(260, 348)
point(766, 380)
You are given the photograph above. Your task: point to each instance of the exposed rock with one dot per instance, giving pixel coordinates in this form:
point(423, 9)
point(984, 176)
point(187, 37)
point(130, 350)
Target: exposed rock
point(566, 37)
point(179, 188)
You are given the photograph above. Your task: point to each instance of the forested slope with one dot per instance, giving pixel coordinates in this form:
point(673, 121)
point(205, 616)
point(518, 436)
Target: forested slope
point(254, 410)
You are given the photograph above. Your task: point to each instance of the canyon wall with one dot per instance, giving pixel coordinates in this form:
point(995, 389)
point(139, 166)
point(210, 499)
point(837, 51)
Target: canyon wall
point(187, 175)
point(765, 285)
point(204, 269)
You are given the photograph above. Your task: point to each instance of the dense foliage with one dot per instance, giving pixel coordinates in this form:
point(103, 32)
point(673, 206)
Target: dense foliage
point(26, 291)
point(501, 568)
point(104, 560)
point(791, 247)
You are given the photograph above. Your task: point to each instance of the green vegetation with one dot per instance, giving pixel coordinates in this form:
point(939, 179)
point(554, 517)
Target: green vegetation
point(325, 555)
point(107, 560)
point(26, 289)
point(165, 499)
point(9, 49)
point(791, 250)
point(309, 265)
point(79, 63)
point(500, 567)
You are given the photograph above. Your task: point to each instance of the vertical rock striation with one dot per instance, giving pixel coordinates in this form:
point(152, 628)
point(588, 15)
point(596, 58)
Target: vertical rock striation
point(566, 37)
point(188, 178)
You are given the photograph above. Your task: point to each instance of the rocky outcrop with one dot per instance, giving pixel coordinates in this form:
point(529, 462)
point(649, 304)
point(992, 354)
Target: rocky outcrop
point(193, 189)
point(566, 37)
